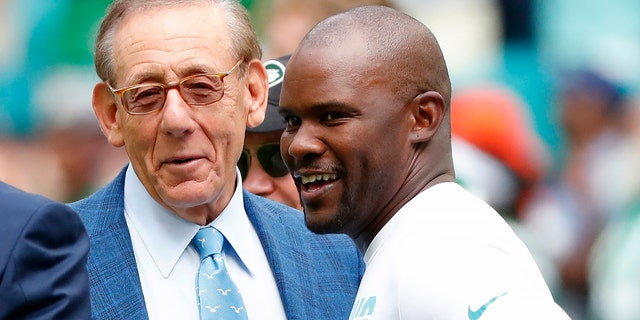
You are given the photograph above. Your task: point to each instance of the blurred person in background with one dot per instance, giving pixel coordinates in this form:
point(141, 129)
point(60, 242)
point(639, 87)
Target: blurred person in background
point(67, 154)
point(615, 259)
point(50, 142)
point(570, 209)
point(496, 120)
point(261, 166)
point(30, 163)
point(499, 156)
point(65, 157)
point(86, 160)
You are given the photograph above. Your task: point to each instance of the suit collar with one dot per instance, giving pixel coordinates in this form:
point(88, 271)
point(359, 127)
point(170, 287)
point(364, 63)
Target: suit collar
point(166, 236)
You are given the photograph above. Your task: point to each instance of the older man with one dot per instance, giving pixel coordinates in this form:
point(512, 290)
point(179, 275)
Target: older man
point(182, 80)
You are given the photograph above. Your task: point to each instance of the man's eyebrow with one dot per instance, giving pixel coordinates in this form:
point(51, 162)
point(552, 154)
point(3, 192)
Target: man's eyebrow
point(160, 76)
point(195, 67)
point(318, 107)
point(154, 75)
point(285, 111)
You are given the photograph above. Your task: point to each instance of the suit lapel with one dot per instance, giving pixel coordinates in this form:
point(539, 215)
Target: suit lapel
point(116, 292)
point(115, 276)
point(285, 250)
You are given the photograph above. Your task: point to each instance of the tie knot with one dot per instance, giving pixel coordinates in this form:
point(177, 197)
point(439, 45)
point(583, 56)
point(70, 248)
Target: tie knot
point(208, 241)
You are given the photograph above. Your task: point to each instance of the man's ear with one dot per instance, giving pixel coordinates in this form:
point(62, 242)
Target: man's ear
point(106, 111)
point(428, 109)
point(257, 82)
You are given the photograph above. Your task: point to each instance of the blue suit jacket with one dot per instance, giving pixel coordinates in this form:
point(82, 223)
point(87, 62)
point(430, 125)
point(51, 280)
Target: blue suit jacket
point(43, 256)
point(317, 275)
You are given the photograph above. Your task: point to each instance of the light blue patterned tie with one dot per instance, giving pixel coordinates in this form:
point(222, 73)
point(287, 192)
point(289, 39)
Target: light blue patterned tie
point(218, 296)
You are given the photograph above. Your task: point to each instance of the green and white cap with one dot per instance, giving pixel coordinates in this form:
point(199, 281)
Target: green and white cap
point(272, 119)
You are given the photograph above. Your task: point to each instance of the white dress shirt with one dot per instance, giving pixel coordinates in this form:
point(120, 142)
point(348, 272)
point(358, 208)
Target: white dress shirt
point(168, 264)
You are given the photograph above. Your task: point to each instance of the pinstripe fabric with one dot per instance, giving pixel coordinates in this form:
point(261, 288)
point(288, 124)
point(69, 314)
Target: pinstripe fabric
point(116, 292)
point(317, 275)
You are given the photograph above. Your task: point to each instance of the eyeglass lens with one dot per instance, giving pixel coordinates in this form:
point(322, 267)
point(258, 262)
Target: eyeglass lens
point(269, 158)
point(196, 90)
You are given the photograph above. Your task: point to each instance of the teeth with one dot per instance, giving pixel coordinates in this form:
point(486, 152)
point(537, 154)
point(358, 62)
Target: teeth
point(316, 177)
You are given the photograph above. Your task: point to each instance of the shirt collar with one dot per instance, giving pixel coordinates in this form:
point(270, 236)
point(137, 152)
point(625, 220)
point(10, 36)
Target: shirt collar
point(166, 236)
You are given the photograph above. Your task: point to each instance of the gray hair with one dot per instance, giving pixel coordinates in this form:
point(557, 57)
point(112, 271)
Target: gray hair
point(244, 40)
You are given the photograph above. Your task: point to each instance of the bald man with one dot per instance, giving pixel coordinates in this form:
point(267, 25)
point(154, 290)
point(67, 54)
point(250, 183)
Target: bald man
point(368, 140)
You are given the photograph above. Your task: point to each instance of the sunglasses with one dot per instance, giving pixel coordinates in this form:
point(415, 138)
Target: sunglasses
point(269, 158)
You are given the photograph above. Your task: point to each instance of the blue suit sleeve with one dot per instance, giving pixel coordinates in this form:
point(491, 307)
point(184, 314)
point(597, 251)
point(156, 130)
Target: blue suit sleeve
point(46, 274)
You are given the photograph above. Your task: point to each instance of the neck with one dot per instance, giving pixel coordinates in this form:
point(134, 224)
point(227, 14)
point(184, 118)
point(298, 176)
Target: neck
point(421, 176)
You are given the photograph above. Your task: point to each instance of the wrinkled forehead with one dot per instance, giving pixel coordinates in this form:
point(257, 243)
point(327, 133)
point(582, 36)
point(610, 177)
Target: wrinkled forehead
point(198, 20)
point(173, 36)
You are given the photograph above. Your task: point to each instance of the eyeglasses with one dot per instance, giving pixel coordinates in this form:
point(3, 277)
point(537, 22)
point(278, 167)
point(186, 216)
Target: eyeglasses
point(196, 90)
point(269, 158)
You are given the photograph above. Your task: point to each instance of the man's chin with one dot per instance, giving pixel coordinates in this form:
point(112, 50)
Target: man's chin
point(323, 226)
point(183, 197)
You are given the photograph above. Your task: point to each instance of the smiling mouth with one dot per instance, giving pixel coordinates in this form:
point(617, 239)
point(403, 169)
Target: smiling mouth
point(316, 181)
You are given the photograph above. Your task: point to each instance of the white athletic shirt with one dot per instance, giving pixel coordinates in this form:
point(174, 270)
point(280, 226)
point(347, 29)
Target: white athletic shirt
point(448, 255)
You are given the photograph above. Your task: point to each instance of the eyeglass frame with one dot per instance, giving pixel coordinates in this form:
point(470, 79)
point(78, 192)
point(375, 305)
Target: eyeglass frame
point(172, 85)
point(250, 156)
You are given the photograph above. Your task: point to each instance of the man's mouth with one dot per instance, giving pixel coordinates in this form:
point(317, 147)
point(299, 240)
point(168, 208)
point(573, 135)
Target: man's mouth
point(315, 181)
point(181, 161)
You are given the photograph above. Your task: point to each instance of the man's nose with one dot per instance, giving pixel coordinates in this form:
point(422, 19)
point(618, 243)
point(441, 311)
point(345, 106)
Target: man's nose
point(177, 115)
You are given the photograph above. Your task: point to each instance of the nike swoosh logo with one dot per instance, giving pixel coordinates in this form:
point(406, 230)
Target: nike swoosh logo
point(475, 315)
